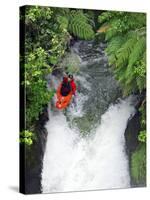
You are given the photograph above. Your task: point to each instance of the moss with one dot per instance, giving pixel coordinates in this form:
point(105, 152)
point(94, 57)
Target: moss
point(138, 166)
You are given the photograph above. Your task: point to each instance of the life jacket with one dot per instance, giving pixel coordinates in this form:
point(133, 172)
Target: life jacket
point(65, 88)
point(73, 86)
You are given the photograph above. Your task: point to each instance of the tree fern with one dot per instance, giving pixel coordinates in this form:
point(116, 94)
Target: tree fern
point(80, 26)
point(115, 44)
point(113, 47)
point(124, 52)
point(126, 37)
point(121, 22)
point(119, 74)
point(137, 51)
point(135, 55)
point(128, 56)
point(111, 33)
point(140, 73)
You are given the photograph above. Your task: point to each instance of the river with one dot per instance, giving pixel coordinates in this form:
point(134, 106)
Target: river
point(85, 147)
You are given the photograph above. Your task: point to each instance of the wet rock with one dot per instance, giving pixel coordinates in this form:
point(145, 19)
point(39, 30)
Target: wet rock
point(131, 133)
point(34, 156)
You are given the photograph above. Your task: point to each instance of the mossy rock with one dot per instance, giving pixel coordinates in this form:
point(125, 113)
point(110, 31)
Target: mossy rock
point(138, 166)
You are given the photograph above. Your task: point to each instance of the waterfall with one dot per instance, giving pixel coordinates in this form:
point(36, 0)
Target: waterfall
point(73, 163)
point(85, 147)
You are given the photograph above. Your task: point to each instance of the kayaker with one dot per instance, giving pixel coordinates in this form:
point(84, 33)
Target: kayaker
point(72, 83)
point(65, 87)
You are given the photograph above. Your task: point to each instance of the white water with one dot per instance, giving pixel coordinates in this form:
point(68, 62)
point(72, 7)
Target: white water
point(72, 163)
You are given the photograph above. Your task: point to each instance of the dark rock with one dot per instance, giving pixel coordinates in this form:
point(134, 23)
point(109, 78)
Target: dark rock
point(34, 157)
point(131, 138)
point(72, 41)
point(141, 97)
point(133, 126)
point(131, 133)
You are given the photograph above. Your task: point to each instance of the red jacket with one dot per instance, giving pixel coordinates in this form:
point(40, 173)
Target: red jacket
point(73, 86)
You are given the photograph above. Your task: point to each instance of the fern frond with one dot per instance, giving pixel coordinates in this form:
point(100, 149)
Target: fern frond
point(119, 74)
point(124, 52)
point(136, 54)
point(111, 33)
point(141, 82)
point(137, 51)
point(115, 44)
point(130, 87)
point(79, 26)
point(137, 20)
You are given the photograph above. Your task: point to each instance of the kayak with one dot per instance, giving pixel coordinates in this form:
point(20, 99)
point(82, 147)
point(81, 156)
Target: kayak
point(62, 101)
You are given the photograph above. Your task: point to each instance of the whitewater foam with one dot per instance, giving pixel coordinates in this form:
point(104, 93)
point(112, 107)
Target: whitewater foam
point(73, 163)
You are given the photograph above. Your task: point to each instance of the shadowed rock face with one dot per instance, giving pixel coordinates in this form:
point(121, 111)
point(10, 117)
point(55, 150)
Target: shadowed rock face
point(34, 157)
point(131, 134)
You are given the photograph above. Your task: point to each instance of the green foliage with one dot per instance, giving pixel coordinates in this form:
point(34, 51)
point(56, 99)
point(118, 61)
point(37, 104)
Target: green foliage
point(46, 29)
point(77, 22)
point(27, 137)
point(46, 39)
point(47, 35)
point(37, 95)
point(142, 136)
point(138, 165)
point(143, 115)
point(126, 37)
point(121, 22)
point(79, 25)
point(125, 34)
point(35, 13)
point(142, 133)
